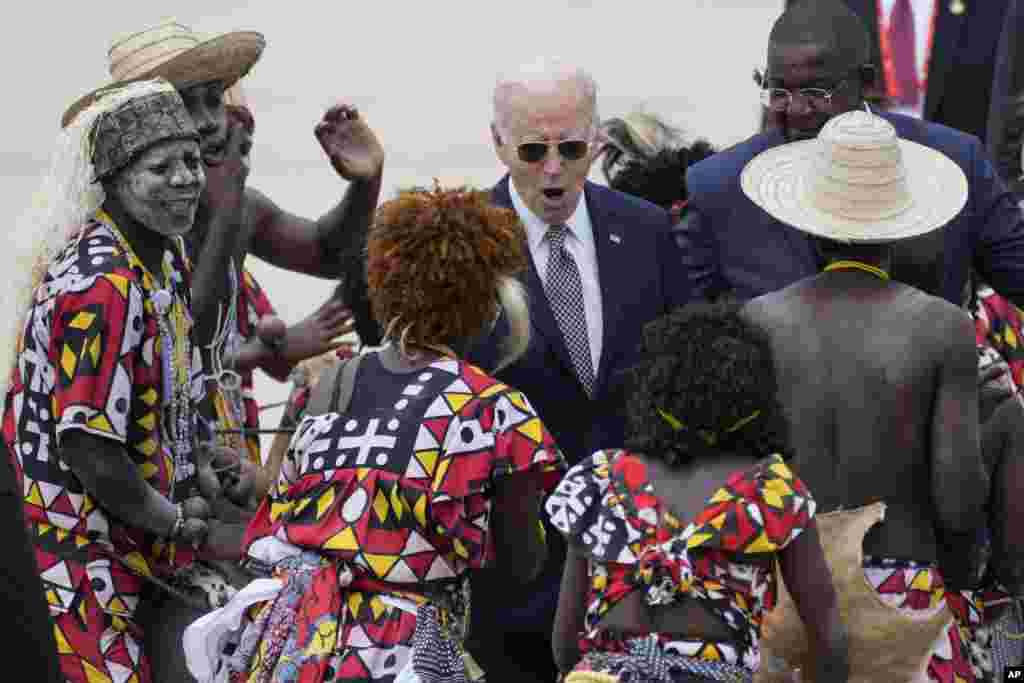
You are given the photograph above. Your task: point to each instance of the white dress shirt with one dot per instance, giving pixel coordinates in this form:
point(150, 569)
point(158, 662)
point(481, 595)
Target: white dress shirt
point(924, 14)
point(580, 243)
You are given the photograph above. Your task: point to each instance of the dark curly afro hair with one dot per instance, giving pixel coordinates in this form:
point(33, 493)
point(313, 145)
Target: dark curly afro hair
point(661, 179)
point(706, 367)
point(434, 261)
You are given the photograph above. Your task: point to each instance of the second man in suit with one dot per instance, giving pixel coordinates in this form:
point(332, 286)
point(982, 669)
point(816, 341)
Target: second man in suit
point(934, 59)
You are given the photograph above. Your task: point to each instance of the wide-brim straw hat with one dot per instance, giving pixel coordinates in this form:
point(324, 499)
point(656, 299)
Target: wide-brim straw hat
point(173, 51)
point(857, 182)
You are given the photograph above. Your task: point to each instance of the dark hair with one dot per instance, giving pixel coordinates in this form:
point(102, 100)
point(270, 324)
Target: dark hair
point(829, 23)
point(831, 249)
point(660, 180)
point(706, 367)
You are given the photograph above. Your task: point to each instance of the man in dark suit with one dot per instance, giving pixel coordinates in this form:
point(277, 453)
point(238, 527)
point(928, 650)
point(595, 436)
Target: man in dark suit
point(818, 67)
point(950, 49)
point(602, 265)
point(1006, 113)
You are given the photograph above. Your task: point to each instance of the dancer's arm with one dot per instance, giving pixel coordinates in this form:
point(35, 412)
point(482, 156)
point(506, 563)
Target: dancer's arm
point(572, 605)
point(515, 523)
point(318, 247)
point(109, 475)
point(809, 582)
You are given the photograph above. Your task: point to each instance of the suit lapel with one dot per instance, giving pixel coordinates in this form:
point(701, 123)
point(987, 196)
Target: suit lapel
point(612, 247)
point(541, 317)
point(948, 27)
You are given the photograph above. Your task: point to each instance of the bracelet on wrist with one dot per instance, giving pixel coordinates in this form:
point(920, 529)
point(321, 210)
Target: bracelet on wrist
point(179, 522)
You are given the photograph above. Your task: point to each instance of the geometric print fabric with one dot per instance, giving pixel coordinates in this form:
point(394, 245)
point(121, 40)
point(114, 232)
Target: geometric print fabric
point(397, 490)
point(918, 588)
point(608, 506)
point(89, 359)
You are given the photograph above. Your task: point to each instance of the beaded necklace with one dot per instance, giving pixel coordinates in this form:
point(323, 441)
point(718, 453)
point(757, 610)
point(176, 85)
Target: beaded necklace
point(850, 264)
point(230, 397)
point(175, 346)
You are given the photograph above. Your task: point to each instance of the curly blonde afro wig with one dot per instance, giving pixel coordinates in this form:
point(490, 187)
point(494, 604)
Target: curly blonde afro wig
point(437, 262)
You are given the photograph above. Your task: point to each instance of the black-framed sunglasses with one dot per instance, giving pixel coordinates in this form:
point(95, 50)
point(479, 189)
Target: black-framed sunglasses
point(570, 150)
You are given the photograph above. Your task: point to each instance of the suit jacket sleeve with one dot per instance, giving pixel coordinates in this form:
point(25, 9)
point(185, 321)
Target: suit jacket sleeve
point(697, 254)
point(998, 243)
point(1005, 115)
point(675, 279)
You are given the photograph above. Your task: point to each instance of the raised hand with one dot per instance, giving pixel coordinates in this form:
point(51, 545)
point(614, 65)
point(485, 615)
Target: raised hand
point(316, 335)
point(237, 474)
point(352, 147)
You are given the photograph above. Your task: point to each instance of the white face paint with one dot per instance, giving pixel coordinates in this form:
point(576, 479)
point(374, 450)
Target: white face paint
point(161, 187)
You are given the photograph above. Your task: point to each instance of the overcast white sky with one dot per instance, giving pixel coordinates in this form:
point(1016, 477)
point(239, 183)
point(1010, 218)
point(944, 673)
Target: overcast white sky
point(420, 72)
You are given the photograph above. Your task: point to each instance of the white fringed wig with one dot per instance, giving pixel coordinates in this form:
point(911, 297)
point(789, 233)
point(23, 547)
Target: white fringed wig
point(70, 192)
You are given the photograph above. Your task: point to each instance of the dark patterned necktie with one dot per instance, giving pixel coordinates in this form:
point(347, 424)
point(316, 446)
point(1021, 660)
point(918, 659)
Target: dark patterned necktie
point(903, 48)
point(564, 288)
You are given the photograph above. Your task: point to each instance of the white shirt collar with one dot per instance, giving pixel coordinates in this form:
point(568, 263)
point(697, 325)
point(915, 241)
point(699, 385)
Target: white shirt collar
point(579, 222)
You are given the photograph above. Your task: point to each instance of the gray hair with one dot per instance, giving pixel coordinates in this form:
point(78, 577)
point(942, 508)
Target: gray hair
point(542, 74)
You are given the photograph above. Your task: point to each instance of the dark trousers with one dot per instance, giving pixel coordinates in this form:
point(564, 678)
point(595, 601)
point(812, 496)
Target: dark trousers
point(28, 642)
point(511, 626)
point(514, 657)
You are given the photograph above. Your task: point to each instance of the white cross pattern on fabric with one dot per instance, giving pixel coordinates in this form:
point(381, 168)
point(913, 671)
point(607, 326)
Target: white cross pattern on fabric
point(564, 289)
point(366, 442)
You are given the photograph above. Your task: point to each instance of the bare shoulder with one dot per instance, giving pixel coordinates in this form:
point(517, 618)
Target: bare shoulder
point(945, 322)
point(772, 309)
point(946, 333)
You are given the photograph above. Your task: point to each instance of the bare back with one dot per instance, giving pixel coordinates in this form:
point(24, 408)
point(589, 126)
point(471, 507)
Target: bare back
point(861, 364)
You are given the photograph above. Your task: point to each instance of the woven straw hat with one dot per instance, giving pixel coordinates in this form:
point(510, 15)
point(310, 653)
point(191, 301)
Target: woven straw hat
point(857, 182)
point(173, 51)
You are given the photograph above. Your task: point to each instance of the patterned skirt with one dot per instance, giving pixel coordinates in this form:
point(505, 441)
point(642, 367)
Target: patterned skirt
point(646, 662)
point(963, 653)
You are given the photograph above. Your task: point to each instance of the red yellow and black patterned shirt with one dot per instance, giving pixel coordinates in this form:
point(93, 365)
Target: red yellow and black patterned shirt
point(608, 507)
point(89, 359)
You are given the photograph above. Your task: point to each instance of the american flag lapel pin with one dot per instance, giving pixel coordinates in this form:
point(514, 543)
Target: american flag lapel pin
point(614, 238)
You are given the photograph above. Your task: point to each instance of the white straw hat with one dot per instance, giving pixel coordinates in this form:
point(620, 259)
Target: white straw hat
point(857, 182)
point(173, 51)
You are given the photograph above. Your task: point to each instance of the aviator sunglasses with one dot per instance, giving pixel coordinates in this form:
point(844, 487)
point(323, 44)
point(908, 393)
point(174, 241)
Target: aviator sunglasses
point(570, 150)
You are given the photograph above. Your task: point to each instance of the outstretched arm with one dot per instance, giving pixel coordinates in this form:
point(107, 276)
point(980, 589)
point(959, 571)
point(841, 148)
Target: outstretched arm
point(318, 247)
point(277, 349)
point(809, 582)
